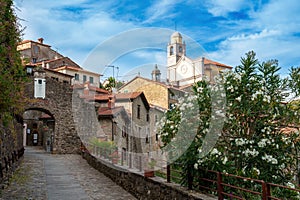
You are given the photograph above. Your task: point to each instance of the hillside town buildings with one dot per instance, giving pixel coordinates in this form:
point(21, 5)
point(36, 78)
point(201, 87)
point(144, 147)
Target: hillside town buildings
point(129, 116)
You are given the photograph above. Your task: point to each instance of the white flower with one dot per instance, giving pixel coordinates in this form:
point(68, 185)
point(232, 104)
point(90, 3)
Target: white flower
point(256, 170)
point(214, 151)
point(270, 159)
point(196, 165)
point(291, 185)
point(240, 141)
point(225, 160)
point(253, 152)
point(239, 99)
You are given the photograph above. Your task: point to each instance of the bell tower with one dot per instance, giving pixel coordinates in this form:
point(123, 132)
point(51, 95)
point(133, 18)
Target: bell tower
point(175, 50)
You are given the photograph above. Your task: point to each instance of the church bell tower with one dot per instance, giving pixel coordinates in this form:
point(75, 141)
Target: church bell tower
point(176, 49)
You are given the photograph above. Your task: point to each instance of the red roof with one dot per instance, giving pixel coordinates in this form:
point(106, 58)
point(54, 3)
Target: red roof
point(106, 111)
point(131, 95)
point(99, 90)
point(92, 88)
point(207, 62)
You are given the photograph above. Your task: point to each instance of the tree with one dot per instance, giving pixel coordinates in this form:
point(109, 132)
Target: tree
point(12, 74)
point(112, 83)
point(251, 142)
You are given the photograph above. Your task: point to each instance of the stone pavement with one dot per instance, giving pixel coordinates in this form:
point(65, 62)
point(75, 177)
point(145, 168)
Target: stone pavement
point(43, 176)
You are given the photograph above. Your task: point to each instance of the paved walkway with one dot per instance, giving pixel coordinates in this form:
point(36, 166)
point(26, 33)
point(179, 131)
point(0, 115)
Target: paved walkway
point(43, 176)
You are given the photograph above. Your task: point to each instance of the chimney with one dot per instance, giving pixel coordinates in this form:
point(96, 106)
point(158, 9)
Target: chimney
point(41, 40)
point(86, 90)
point(111, 101)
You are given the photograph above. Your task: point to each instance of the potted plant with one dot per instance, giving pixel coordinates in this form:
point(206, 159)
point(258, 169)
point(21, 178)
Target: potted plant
point(149, 171)
point(115, 157)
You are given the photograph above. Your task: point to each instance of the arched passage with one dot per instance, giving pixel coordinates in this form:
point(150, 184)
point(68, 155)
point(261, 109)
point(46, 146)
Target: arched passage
point(39, 128)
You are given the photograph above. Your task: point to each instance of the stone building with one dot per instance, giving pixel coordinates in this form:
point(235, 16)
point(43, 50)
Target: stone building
point(42, 55)
point(157, 93)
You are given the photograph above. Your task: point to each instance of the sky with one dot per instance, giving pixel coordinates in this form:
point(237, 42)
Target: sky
point(126, 38)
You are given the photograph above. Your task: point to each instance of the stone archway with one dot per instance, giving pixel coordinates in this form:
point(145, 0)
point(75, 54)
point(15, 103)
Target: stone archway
point(39, 125)
point(57, 104)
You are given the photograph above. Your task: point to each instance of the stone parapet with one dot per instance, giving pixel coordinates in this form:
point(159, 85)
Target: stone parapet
point(143, 187)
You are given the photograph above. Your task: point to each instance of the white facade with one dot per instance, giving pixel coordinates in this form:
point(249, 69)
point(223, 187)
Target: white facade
point(39, 88)
point(181, 69)
point(184, 71)
point(81, 76)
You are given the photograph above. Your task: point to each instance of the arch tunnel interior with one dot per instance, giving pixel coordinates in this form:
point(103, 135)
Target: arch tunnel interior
point(39, 126)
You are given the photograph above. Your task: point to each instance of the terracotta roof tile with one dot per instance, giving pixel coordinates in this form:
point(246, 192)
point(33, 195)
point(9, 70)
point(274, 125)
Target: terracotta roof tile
point(106, 111)
point(99, 90)
point(207, 61)
point(131, 95)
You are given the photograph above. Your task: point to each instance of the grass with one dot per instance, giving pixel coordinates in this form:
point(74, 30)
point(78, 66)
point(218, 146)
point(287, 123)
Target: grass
point(20, 178)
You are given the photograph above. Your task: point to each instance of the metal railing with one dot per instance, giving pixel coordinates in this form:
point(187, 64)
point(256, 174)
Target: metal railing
point(223, 185)
point(227, 186)
point(133, 161)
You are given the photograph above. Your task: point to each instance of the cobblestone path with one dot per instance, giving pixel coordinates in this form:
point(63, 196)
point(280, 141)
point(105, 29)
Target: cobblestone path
point(43, 176)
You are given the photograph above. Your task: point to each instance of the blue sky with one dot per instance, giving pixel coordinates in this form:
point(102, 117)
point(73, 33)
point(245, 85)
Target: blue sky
point(222, 30)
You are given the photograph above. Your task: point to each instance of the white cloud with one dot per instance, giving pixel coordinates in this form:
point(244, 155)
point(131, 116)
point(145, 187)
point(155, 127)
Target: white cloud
point(161, 9)
point(222, 8)
point(265, 45)
point(275, 25)
point(263, 34)
point(66, 31)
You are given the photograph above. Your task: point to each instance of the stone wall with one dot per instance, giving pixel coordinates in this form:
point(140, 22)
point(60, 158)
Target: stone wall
point(58, 104)
point(11, 148)
point(141, 187)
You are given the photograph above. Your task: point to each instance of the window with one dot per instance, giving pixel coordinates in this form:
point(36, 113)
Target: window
point(84, 78)
point(171, 51)
point(147, 138)
point(36, 49)
point(156, 118)
point(34, 60)
point(91, 79)
point(156, 137)
point(124, 134)
point(147, 117)
point(180, 49)
point(39, 88)
point(77, 77)
point(139, 111)
point(124, 153)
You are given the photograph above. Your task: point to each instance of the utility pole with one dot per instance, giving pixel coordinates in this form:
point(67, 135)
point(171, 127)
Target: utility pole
point(113, 67)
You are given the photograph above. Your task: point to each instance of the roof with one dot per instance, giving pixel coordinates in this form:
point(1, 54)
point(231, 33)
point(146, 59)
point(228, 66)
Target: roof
point(207, 62)
point(106, 111)
point(67, 67)
point(99, 90)
point(149, 80)
point(59, 73)
point(92, 88)
point(131, 96)
point(49, 70)
point(27, 41)
point(57, 59)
